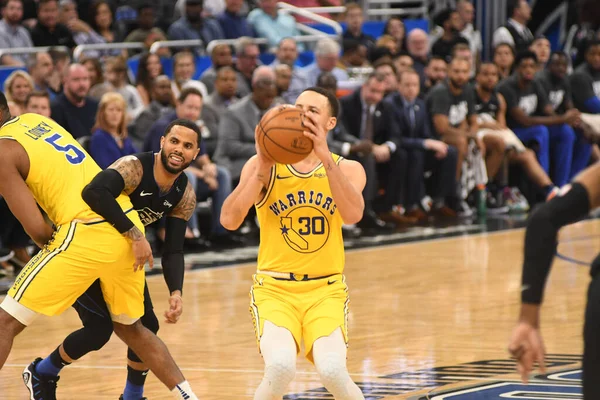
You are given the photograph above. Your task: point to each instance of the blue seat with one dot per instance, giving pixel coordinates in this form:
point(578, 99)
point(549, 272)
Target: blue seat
point(375, 28)
point(5, 72)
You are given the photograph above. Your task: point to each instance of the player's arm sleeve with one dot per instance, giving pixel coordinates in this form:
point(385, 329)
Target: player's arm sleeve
point(541, 238)
point(172, 259)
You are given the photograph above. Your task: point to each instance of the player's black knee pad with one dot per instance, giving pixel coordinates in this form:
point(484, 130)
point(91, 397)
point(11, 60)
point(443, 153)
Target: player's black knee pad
point(99, 334)
point(150, 321)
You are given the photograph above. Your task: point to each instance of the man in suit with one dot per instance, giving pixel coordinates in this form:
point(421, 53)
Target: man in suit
point(368, 118)
point(236, 130)
point(424, 152)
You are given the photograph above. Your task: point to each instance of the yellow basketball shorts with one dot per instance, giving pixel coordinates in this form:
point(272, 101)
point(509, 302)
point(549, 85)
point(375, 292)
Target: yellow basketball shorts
point(308, 309)
point(77, 255)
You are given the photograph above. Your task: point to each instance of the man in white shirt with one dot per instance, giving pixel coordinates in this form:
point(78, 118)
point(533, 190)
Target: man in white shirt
point(466, 11)
point(515, 32)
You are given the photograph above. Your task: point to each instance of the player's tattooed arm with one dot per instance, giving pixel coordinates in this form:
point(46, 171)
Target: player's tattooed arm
point(131, 170)
point(134, 234)
point(185, 209)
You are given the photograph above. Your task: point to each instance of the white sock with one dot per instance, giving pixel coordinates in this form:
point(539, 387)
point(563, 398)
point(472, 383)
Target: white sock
point(183, 391)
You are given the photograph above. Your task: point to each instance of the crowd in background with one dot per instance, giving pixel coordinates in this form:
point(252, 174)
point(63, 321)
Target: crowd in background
point(441, 132)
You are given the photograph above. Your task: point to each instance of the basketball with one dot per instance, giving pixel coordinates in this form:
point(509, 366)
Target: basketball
point(281, 135)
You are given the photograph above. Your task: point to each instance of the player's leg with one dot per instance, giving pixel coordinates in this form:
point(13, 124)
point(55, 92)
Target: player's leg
point(533, 169)
point(496, 147)
point(137, 371)
point(9, 328)
point(562, 138)
point(539, 134)
point(329, 354)
point(461, 144)
point(591, 338)
point(278, 348)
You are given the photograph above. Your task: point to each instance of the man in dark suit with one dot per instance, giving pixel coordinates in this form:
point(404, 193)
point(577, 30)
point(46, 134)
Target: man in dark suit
point(424, 152)
point(368, 118)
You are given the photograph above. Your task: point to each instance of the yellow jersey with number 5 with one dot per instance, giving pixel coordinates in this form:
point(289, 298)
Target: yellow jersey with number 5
point(59, 168)
point(300, 226)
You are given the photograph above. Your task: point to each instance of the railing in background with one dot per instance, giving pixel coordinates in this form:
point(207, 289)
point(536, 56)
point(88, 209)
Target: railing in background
point(382, 8)
point(290, 9)
point(31, 50)
point(82, 48)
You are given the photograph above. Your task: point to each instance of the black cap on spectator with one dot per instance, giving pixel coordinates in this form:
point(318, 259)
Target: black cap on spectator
point(350, 46)
point(379, 52)
point(443, 16)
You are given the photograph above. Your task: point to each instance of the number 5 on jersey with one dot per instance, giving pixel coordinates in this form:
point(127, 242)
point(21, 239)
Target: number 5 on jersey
point(72, 153)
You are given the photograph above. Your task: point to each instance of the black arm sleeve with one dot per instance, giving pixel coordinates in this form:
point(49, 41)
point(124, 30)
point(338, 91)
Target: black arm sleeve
point(541, 238)
point(101, 193)
point(172, 259)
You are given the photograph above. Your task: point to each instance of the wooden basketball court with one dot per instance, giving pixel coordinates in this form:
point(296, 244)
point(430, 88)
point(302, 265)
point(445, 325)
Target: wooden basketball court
point(414, 307)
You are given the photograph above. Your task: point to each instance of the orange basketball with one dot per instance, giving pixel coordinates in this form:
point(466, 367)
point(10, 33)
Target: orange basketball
point(280, 135)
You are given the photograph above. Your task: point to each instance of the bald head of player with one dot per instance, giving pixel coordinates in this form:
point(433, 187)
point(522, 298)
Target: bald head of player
point(321, 104)
point(179, 145)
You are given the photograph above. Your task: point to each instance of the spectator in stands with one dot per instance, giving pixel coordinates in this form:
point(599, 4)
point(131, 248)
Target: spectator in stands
point(390, 75)
point(116, 76)
point(425, 153)
point(246, 53)
point(48, 32)
point(38, 102)
point(233, 23)
point(283, 78)
point(541, 47)
point(163, 103)
point(101, 20)
point(272, 24)
point(61, 59)
point(146, 30)
point(40, 68)
point(380, 53)
point(452, 24)
point(327, 53)
point(515, 32)
point(466, 12)
point(81, 31)
point(395, 28)
point(435, 72)
point(12, 33)
point(388, 42)
point(193, 26)
point(531, 116)
point(109, 140)
point(367, 117)
point(417, 44)
point(585, 81)
point(287, 53)
point(207, 178)
point(184, 69)
point(462, 50)
point(16, 88)
point(149, 68)
point(73, 109)
point(354, 19)
point(236, 143)
point(354, 55)
point(403, 62)
point(224, 94)
point(97, 86)
point(220, 56)
point(504, 57)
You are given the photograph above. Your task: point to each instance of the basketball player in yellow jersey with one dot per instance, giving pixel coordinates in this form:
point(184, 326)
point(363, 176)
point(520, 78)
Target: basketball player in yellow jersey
point(42, 164)
point(299, 292)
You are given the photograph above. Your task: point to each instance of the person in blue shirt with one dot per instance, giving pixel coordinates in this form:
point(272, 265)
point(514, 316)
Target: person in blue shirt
point(233, 23)
point(193, 26)
point(109, 135)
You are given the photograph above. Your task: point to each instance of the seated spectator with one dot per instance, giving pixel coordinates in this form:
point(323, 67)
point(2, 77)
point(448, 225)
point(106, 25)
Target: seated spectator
point(271, 24)
point(61, 59)
point(403, 62)
point(81, 31)
point(380, 53)
point(147, 31)
point(116, 75)
point(327, 53)
point(541, 47)
point(417, 45)
point(556, 84)
point(101, 21)
point(47, 31)
point(38, 103)
point(287, 53)
point(425, 153)
point(149, 68)
point(366, 117)
point(531, 116)
point(515, 32)
point(233, 23)
point(224, 94)
point(466, 12)
point(491, 111)
point(390, 75)
point(435, 72)
point(504, 57)
point(109, 135)
point(16, 88)
point(452, 24)
point(184, 68)
point(354, 55)
point(220, 56)
point(236, 143)
point(163, 103)
point(585, 81)
point(97, 86)
point(283, 78)
point(73, 109)
point(388, 42)
point(394, 27)
point(246, 54)
point(12, 33)
point(40, 68)
point(354, 19)
point(193, 26)
point(462, 50)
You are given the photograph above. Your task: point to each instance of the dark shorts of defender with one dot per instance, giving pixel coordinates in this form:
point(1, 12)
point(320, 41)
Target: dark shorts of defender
point(591, 337)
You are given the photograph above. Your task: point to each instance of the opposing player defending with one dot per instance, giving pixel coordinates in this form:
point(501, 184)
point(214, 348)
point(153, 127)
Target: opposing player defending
point(156, 186)
point(42, 164)
point(573, 202)
point(299, 290)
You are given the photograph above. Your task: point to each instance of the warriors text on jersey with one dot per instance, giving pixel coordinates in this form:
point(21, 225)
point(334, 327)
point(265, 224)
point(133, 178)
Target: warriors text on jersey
point(59, 168)
point(300, 226)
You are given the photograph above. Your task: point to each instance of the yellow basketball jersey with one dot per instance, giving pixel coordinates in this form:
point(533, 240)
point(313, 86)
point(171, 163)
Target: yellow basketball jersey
point(59, 168)
point(300, 227)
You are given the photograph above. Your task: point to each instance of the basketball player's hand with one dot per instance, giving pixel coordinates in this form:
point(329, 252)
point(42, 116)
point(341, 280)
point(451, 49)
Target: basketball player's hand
point(318, 135)
point(382, 153)
point(142, 252)
point(527, 347)
point(264, 162)
point(175, 308)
